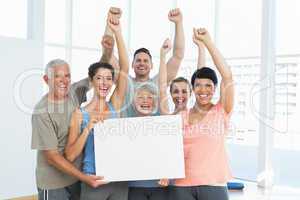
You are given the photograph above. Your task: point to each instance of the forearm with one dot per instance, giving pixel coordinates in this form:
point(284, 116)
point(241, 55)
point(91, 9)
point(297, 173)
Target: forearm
point(163, 102)
point(106, 56)
point(107, 53)
point(201, 56)
point(179, 41)
point(59, 162)
point(219, 61)
point(178, 53)
point(115, 63)
point(72, 151)
point(118, 96)
point(122, 51)
point(108, 31)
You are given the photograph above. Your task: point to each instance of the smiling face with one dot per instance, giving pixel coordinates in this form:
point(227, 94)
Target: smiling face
point(144, 102)
point(58, 80)
point(204, 90)
point(180, 93)
point(142, 64)
point(102, 82)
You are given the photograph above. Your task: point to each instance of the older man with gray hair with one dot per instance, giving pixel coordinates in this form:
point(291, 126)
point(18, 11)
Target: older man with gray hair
point(56, 177)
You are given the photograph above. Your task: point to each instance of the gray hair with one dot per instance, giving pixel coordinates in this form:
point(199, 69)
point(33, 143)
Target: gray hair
point(148, 87)
point(53, 63)
point(153, 89)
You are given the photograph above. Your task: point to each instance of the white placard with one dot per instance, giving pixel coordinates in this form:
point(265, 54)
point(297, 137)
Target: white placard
point(140, 148)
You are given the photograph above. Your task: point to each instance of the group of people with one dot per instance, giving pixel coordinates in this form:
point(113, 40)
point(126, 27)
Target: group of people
point(62, 129)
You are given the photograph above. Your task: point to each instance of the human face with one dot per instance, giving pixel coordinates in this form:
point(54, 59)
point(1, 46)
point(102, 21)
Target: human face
point(102, 82)
point(58, 80)
point(144, 102)
point(204, 90)
point(180, 95)
point(142, 64)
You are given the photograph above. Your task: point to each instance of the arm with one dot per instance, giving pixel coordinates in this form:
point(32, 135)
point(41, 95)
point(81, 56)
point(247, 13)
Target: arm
point(178, 52)
point(44, 139)
point(201, 50)
point(80, 88)
point(76, 141)
point(163, 84)
point(108, 42)
point(118, 95)
point(55, 159)
point(227, 88)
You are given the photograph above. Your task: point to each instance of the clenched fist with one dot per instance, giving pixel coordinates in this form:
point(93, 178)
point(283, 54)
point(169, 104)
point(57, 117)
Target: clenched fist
point(108, 42)
point(201, 35)
point(175, 15)
point(166, 47)
point(114, 11)
point(114, 23)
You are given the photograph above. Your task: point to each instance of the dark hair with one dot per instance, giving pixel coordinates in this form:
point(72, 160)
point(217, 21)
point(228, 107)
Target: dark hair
point(142, 50)
point(205, 73)
point(94, 68)
point(180, 79)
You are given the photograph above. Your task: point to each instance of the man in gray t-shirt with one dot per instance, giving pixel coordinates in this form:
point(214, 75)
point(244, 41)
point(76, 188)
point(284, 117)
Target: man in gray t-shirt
point(56, 177)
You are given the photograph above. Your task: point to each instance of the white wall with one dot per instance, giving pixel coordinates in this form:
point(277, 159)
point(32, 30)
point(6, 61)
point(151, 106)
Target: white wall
point(19, 63)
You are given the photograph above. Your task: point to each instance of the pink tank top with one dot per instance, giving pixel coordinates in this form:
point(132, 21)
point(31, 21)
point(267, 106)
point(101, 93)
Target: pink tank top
point(205, 156)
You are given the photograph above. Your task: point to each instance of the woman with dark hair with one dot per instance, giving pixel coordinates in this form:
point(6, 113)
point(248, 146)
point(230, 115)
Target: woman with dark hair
point(180, 88)
point(81, 134)
point(205, 128)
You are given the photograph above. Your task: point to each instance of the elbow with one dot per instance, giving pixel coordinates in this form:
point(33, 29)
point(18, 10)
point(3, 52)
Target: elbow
point(69, 155)
point(228, 77)
point(51, 158)
point(179, 54)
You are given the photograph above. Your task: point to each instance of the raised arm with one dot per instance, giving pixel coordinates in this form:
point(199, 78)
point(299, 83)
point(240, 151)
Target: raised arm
point(174, 62)
point(76, 141)
point(163, 84)
point(201, 49)
point(227, 87)
point(121, 85)
point(108, 42)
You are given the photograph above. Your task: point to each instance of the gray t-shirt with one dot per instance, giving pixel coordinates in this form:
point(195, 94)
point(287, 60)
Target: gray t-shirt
point(50, 124)
point(128, 109)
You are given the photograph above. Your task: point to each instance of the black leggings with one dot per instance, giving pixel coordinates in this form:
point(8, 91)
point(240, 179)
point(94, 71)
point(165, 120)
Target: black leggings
point(139, 193)
point(204, 192)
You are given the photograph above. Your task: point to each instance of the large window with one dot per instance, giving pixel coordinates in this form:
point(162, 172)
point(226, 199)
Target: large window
point(55, 21)
point(13, 18)
point(287, 131)
point(89, 19)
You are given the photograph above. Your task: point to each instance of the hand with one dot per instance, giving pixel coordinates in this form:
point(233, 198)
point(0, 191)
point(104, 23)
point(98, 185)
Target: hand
point(202, 35)
point(114, 24)
point(94, 119)
point(94, 181)
point(175, 15)
point(163, 182)
point(166, 47)
point(196, 41)
point(114, 11)
point(108, 42)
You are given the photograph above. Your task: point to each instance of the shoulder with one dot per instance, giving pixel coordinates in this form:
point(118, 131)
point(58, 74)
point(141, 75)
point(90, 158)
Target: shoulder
point(154, 79)
point(41, 106)
point(219, 110)
point(184, 115)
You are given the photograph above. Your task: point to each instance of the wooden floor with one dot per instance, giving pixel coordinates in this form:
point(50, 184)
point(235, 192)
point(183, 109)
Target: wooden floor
point(26, 198)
